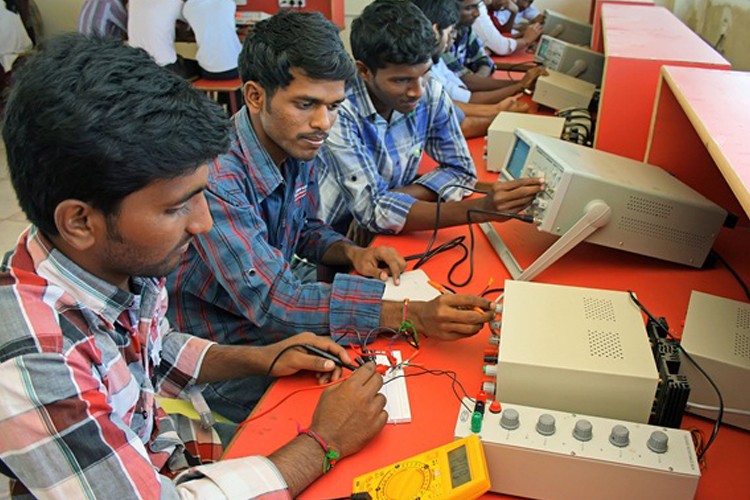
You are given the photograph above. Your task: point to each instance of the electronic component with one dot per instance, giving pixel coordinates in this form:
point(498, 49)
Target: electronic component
point(673, 389)
point(456, 470)
point(564, 28)
point(609, 200)
point(394, 389)
point(579, 126)
point(501, 133)
point(558, 91)
point(588, 352)
point(717, 337)
point(570, 59)
point(540, 453)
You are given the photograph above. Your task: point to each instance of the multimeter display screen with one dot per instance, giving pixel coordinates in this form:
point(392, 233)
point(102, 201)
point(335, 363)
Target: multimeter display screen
point(459, 464)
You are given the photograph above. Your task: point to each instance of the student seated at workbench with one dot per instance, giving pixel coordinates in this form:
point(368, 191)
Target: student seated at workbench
point(213, 22)
point(490, 30)
point(235, 284)
point(469, 62)
point(393, 112)
point(151, 26)
point(104, 18)
point(515, 16)
point(474, 118)
point(85, 344)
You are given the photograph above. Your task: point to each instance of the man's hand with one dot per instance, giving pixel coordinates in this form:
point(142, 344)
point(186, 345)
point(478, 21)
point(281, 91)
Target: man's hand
point(297, 359)
point(351, 413)
point(532, 32)
point(512, 104)
point(529, 79)
point(511, 196)
point(451, 317)
point(377, 262)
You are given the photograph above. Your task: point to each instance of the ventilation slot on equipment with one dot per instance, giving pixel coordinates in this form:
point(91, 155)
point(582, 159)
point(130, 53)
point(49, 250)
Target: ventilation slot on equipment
point(598, 309)
point(743, 318)
point(604, 344)
point(742, 346)
point(649, 207)
point(664, 233)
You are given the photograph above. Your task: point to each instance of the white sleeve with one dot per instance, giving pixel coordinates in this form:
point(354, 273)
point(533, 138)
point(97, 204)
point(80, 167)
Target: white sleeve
point(491, 37)
point(240, 478)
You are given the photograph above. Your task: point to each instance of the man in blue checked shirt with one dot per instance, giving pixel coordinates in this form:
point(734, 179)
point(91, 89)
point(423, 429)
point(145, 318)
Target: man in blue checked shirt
point(392, 113)
point(235, 284)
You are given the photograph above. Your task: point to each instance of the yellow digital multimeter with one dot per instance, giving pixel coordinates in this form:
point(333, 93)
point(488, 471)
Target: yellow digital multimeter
point(457, 470)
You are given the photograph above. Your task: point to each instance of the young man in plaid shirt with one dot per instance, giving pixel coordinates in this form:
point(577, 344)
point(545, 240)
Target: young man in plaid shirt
point(393, 113)
point(107, 154)
point(468, 59)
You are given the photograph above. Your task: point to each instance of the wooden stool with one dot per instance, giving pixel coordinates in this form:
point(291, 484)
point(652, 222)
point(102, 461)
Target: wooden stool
point(213, 87)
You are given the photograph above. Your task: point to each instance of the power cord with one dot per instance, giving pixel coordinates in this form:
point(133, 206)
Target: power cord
point(720, 414)
point(732, 272)
point(449, 373)
point(458, 241)
point(278, 356)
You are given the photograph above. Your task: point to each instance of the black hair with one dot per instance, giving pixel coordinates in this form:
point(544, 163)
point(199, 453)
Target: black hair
point(392, 32)
point(444, 13)
point(95, 120)
point(290, 39)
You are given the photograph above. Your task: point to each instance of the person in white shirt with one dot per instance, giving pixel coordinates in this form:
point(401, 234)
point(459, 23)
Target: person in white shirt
point(474, 118)
point(213, 22)
point(488, 28)
point(151, 26)
point(14, 40)
point(517, 16)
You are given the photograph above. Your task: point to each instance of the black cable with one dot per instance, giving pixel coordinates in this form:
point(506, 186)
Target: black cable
point(276, 358)
point(720, 415)
point(448, 245)
point(579, 124)
point(458, 241)
point(449, 373)
point(485, 293)
point(733, 272)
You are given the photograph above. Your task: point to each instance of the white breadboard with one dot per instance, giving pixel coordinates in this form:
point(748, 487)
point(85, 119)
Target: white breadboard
point(397, 399)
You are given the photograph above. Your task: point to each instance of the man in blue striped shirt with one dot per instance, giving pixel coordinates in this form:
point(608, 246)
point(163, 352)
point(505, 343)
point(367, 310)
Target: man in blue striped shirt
point(104, 18)
point(393, 112)
point(235, 285)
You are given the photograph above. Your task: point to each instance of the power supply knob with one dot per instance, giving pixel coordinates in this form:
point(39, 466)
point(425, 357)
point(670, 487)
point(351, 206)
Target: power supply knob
point(510, 419)
point(657, 442)
point(546, 424)
point(583, 430)
point(490, 370)
point(620, 436)
point(488, 387)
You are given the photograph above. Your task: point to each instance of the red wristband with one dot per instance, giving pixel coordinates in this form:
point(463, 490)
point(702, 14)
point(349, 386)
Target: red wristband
point(332, 456)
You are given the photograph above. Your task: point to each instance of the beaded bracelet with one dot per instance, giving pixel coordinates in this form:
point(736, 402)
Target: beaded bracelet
point(331, 456)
